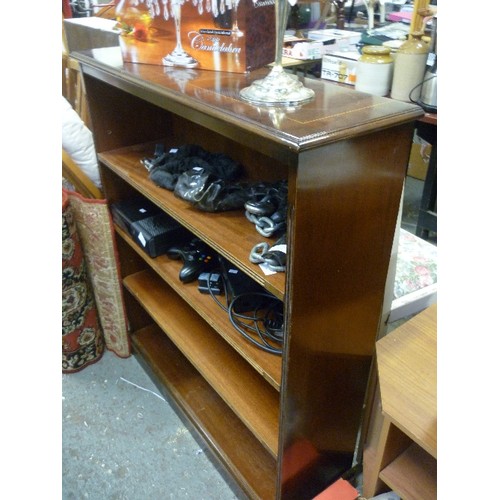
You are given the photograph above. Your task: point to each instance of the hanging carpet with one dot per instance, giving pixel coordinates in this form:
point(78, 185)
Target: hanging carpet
point(93, 314)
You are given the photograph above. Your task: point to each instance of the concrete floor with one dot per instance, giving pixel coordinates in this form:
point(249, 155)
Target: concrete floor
point(122, 441)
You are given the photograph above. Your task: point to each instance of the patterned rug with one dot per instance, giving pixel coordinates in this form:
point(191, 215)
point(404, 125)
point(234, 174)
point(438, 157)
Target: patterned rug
point(93, 314)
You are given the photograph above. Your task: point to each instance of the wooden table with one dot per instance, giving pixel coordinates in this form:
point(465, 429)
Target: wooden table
point(401, 449)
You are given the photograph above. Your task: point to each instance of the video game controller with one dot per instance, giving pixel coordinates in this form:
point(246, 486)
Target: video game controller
point(197, 258)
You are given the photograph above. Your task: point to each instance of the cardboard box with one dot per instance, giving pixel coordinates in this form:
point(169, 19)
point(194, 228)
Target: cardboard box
point(236, 38)
point(340, 68)
point(420, 155)
point(335, 40)
point(83, 33)
point(302, 48)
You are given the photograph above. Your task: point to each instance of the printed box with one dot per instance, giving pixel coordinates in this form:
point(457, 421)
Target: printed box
point(222, 35)
point(340, 69)
point(301, 48)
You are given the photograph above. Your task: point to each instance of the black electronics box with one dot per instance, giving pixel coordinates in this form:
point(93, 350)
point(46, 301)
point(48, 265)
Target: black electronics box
point(239, 286)
point(149, 226)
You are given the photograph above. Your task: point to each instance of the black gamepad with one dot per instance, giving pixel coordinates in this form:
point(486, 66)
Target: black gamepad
point(197, 258)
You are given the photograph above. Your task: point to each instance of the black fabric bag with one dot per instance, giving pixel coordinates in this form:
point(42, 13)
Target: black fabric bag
point(210, 194)
point(166, 168)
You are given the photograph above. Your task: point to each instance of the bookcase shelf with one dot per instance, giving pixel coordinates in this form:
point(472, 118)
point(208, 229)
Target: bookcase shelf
point(243, 390)
point(229, 233)
point(413, 474)
point(268, 366)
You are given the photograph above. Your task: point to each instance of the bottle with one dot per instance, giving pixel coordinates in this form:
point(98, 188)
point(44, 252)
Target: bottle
point(374, 70)
point(409, 67)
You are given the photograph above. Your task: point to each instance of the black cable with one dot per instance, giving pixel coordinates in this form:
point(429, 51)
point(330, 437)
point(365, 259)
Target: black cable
point(255, 329)
point(263, 344)
point(274, 327)
point(266, 318)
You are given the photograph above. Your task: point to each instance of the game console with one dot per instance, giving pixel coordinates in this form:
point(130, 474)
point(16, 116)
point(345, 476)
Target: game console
point(148, 225)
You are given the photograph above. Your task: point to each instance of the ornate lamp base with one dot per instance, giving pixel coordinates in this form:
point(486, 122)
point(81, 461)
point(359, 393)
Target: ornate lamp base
point(279, 87)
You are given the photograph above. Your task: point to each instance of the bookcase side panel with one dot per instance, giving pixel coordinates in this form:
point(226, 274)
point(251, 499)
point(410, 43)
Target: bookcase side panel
point(345, 202)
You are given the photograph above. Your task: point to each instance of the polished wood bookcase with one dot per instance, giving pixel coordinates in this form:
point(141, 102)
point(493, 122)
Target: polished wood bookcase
point(283, 426)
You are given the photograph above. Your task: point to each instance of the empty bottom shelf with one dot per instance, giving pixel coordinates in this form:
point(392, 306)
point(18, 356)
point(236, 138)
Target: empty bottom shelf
point(253, 468)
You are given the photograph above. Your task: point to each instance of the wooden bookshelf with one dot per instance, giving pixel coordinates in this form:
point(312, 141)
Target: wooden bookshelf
point(285, 427)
